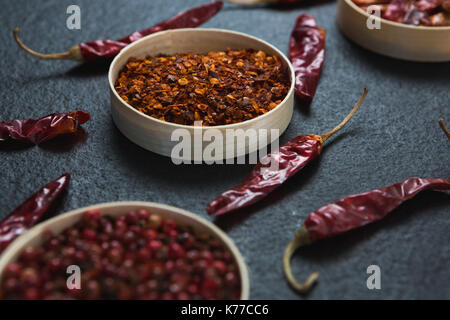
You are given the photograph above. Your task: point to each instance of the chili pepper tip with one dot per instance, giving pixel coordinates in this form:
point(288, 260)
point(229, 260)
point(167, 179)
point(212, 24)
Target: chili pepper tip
point(73, 54)
point(301, 239)
point(325, 136)
point(444, 127)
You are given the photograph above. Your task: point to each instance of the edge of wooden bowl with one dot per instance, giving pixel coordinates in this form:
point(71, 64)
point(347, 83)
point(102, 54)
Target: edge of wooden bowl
point(154, 134)
point(34, 236)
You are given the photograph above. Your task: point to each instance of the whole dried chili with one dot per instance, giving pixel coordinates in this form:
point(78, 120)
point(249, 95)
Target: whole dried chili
point(307, 53)
point(350, 213)
point(289, 159)
point(31, 211)
point(103, 49)
point(444, 127)
point(218, 88)
point(43, 129)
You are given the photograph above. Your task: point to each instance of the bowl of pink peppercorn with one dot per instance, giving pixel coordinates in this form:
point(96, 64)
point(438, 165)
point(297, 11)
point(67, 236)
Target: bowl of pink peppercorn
point(124, 250)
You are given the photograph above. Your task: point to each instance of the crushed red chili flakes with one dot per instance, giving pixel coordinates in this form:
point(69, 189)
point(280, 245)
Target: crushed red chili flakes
point(217, 88)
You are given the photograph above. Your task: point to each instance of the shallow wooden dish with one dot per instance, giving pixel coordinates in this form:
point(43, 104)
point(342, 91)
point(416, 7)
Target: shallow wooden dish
point(155, 135)
point(34, 236)
point(425, 44)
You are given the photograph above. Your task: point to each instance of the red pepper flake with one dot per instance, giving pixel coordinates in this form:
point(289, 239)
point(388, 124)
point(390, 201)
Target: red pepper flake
point(218, 88)
point(43, 129)
point(307, 53)
point(353, 212)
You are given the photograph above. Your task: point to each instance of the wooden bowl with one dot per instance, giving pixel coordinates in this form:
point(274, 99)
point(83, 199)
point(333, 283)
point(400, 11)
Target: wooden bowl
point(155, 135)
point(34, 236)
point(402, 41)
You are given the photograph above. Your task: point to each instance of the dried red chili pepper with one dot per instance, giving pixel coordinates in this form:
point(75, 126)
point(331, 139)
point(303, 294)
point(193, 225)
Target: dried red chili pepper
point(350, 213)
point(31, 211)
point(101, 49)
point(444, 127)
point(289, 158)
point(43, 129)
point(307, 53)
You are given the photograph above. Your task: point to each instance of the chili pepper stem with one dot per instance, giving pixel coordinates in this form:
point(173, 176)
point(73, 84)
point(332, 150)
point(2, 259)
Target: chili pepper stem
point(325, 136)
point(73, 54)
point(444, 127)
point(301, 239)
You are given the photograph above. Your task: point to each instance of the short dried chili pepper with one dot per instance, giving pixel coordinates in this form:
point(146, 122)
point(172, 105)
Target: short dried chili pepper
point(103, 49)
point(31, 211)
point(350, 213)
point(289, 159)
point(41, 130)
point(444, 127)
point(307, 53)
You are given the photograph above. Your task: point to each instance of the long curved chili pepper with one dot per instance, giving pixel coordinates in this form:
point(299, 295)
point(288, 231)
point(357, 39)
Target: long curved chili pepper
point(444, 127)
point(350, 213)
point(31, 211)
point(263, 179)
point(307, 53)
point(37, 131)
point(101, 49)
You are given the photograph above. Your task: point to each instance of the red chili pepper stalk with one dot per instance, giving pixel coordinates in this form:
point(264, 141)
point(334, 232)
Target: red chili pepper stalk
point(31, 211)
point(350, 213)
point(263, 179)
point(103, 49)
point(43, 129)
point(444, 127)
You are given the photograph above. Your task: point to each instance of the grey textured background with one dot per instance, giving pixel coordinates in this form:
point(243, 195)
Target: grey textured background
point(394, 136)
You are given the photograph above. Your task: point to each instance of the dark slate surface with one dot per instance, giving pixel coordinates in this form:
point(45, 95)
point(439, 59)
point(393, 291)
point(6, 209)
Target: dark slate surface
point(395, 135)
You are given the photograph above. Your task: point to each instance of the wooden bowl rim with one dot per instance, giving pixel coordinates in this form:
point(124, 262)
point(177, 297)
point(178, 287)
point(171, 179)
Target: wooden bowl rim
point(195, 30)
point(18, 244)
point(393, 23)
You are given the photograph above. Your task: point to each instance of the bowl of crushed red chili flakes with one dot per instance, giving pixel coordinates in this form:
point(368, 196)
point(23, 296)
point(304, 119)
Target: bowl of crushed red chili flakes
point(124, 250)
point(415, 30)
point(197, 80)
